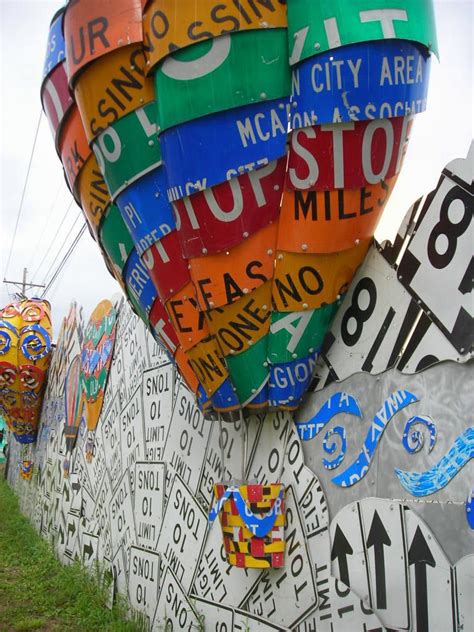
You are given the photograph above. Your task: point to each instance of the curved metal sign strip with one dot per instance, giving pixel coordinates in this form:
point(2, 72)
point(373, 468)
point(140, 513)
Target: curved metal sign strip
point(249, 373)
point(208, 365)
point(289, 381)
point(55, 49)
point(331, 221)
point(57, 100)
point(164, 32)
point(92, 29)
point(128, 149)
point(359, 82)
point(75, 149)
point(93, 192)
point(115, 238)
point(224, 278)
point(139, 283)
point(166, 266)
point(145, 209)
point(307, 281)
point(219, 218)
point(188, 321)
point(202, 79)
point(347, 155)
point(112, 88)
point(316, 27)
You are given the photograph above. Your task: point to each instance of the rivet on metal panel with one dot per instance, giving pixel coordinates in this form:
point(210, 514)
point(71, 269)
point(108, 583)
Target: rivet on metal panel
point(276, 187)
point(304, 246)
point(305, 305)
point(151, 143)
point(281, 106)
point(269, 251)
point(245, 235)
point(204, 251)
point(263, 95)
point(317, 45)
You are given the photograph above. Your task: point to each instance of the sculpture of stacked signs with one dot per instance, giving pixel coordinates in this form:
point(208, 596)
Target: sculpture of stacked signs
point(233, 162)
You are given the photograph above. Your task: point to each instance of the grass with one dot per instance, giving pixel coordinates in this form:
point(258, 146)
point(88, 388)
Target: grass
point(38, 593)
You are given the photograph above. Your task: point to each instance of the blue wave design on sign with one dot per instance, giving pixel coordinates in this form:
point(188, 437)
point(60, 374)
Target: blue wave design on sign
point(330, 448)
point(338, 403)
point(396, 402)
point(431, 481)
point(413, 439)
point(470, 509)
point(258, 525)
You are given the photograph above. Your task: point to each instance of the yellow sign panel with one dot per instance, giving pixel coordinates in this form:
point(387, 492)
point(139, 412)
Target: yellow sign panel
point(112, 87)
point(226, 277)
point(307, 281)
point(169, 25)
point(245, 322)
point(208, 364)
point(93, 192)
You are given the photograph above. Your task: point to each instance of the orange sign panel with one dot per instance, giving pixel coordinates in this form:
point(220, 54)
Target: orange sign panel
point(224, 278)
point(245, 322)
point(111, 88)
point(93, 192)
point(92, 29)
point(188, 321)
point(185, 369)
point(307, 281)
point(169, 25)
point(331, 221)
point(73, 146)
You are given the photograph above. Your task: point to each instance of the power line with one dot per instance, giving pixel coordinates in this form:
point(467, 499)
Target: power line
point(61, 247)
point(46, 221)
point(51, 243)
point(20, 208)
point(65, 259)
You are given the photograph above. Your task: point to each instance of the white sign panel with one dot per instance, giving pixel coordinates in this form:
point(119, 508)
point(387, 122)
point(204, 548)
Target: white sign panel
point(122, 523)
point(157, 394)
point(134, 353)
point(174, 611)
point(131, 431)
point(110, 428)
point(149, 501)
point(186, 443)
point(182, 532)
point(143, 580)
point(464, 572)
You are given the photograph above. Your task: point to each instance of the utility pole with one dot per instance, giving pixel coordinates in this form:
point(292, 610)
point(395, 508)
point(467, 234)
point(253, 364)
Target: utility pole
point(23, 285)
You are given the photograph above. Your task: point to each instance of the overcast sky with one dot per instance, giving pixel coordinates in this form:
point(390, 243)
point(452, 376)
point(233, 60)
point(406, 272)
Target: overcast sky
point(442, 133)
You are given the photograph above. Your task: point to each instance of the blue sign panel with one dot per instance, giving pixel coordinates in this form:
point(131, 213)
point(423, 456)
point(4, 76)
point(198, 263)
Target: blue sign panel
point(215, 148)
point(373, 80)
point(338, 403)
point(139, 283)
point(289, 381)
point(225, 397)
point(145, 209)
point(56, 49)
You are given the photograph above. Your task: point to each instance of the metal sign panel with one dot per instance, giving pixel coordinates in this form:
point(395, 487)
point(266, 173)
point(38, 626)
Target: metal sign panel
point(143, 580)
point(128, 149)
point(139, 283)
point(350, 155)
point(157, 394)
point(368, 84)
point(306, 281)
point(111, 436)
point(235, 141)
point(187, 439)
point(74, 147)
point(464, 592)
point(122, 519)
point(55, 49)
point(222, 278)
point(164, 33)
point(166, 266)
point(188, 321)
point(149, 499)
point(373, 322)
point(132, 440)
point(289, 594)
point(112, 88)
point(201, 80)
point(331, 221)
point(218, 218)
point(439, 254)
point(92, 30)
point(182, 532)
point(56, 99)
point(174, 610)
point(318, 27)
point(93, 193)
point(145, 209)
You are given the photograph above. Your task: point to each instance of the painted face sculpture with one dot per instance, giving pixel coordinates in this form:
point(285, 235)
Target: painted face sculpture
point(25, 353)
point(239, 169)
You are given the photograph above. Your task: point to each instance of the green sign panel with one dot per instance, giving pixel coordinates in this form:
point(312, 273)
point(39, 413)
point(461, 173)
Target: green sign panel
point(128, 149)
point(249, 370)
point(318, 26)
point(296, 335)
point(115, 238)
point(222, 73)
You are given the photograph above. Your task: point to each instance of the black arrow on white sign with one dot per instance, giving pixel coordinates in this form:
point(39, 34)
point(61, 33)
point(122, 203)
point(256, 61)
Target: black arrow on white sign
point(340, 550)
point(89, 549)
point(378, 538)
point(76, 486)
point(71, 528)
point(420, 555)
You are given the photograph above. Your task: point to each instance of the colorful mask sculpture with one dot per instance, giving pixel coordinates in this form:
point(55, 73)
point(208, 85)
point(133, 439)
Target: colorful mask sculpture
point(235, 250)
point(25, 353)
